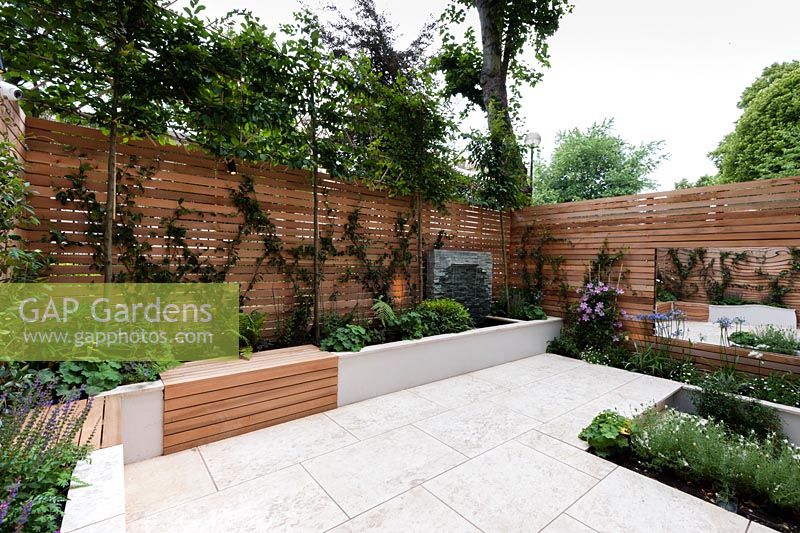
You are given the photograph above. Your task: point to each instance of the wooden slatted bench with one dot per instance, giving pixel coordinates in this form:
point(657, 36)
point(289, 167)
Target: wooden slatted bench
point(102, 428)
point(207, 401)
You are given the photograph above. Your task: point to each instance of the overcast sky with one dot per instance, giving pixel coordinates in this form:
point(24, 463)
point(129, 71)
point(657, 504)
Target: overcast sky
point(669, 71)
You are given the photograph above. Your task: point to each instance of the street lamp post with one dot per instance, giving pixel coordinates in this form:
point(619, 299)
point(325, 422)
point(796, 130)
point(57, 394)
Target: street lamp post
point(532, 140)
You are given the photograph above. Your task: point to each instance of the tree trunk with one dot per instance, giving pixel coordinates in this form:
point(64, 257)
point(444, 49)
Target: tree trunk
point(315, 190)
point(421, 288)
point(505, 263)
point(494, 71)
point(111, 199)
point(494, 76)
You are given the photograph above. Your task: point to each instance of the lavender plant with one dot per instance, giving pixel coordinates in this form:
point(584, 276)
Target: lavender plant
point(38, 451)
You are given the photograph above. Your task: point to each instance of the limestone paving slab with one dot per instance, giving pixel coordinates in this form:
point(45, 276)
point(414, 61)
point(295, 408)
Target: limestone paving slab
point(543, 400)
point(524, 371)
point(593, 380)
point(285, 501)
point(631, 397)
point(511, 488)
point(164, 482)
point(368, 473)
point(570, 455)
point(378, 415)
point(566, 524)
point(416, 511)
point(267, 450)
point(110, 525)
point(100, 495)
point(478, 427)
point(627, 501)
point(457, 391)
point(567, 426)
point(462, 454)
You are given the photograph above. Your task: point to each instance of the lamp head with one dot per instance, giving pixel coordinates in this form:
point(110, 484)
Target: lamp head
point(533, 139)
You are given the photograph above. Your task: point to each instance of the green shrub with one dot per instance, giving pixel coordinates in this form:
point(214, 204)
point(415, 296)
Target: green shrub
point(17, 263)
point(520, 305)
point(743, 338)
point(776, 340)
point(717, 400)
point(768, 338)
point(69, 378)
point(654, 362)
point(250, 327)
point(350, 338)
point(16, 378)
point(608, 434)
point(777, 388)
point(597, 317)
point(447, 316)
point(331, 321)
point(93, 376)
point(293, 329)
point(530, 312)
point(138, 371)
point(410, 325)
point(733, 300)
point(663, 295)
point(565, 344)
point(704, 451)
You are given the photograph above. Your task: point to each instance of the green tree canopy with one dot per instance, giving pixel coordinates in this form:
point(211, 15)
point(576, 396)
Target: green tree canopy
point(483, 74)
point(120, 65)
point(365, 30)
point(595, 163)
point(244, 109)
point(766, 140)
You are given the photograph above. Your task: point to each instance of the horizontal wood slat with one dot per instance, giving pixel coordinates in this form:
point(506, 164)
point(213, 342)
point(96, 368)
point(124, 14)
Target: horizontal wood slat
point(763, 215)
point(205, 401)
point(202, 183)
point(102, 427)
point(283, 416)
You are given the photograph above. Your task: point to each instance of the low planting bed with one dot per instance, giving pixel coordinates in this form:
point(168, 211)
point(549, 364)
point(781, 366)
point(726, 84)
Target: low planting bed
point(756, 477)
point(385, 368)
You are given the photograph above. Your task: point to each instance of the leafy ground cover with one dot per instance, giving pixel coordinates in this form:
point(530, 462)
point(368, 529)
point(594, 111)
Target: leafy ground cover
point(758, 478)
point(769, 339)
point(430, 317)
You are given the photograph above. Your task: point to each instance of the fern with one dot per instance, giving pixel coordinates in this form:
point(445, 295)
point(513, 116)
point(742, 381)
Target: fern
point(384, 312)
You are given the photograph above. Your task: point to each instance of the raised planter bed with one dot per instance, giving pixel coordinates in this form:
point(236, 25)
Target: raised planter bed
point(141, 415)
point(790, 416)
point(395, 366)
point(755, 315)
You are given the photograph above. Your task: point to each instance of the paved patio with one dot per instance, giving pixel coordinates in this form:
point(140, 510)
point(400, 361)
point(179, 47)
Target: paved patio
point(495, 450)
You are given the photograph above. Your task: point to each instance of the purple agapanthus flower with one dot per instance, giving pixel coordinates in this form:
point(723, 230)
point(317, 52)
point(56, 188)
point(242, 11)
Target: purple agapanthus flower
point(723, 322)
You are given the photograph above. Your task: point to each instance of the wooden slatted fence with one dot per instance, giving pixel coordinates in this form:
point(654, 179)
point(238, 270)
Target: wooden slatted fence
point(749, 277)
point(754, 215)
point(12, 125)
point(202, 184)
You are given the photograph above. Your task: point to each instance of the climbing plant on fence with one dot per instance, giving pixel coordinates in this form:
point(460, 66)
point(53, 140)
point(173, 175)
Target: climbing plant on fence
point(533, 259)
point(17, 262)
point(377, 274)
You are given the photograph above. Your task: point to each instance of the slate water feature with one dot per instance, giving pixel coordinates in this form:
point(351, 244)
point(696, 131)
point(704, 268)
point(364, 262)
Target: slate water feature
point(464, 276)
